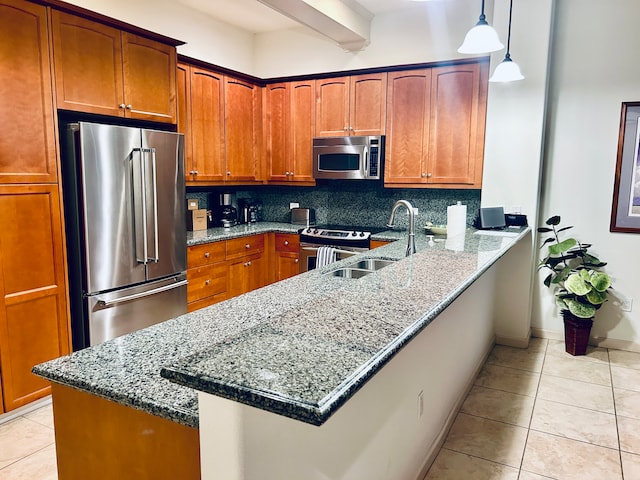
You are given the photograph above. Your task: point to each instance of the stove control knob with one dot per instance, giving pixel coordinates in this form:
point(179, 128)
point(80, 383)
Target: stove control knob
point(315, 231)
point(308, 230)
point(362, 234)
point(354, 233)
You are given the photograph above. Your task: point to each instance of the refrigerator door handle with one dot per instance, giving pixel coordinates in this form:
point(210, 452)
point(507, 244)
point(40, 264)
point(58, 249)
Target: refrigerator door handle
point(156, 257)
point(140, 206)
point(115, 301)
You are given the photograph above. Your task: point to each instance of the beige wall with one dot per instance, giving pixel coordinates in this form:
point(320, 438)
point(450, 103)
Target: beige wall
point(593, 70)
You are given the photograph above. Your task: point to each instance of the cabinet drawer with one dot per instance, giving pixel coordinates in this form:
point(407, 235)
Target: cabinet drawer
point(206, 281)
point(287, 242)
point(205, 254)
point(239, 247)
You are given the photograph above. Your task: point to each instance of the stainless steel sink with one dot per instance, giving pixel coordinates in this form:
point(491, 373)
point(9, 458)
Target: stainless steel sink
point(361, 268)
point(372, 264)
point(348, 272)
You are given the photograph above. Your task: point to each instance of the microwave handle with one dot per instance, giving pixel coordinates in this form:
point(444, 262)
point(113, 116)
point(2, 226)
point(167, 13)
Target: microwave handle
point(366, 160)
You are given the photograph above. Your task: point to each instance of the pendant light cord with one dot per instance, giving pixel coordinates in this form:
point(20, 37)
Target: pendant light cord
point(509, 30)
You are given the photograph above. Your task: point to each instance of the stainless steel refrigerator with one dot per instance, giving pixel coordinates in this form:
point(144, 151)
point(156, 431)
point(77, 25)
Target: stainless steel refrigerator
point(124, 196)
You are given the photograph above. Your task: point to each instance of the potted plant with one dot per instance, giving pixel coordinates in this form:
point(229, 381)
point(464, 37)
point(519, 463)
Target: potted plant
point(581, 288)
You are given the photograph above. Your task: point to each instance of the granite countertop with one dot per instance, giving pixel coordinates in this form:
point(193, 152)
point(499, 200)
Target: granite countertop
point(301, 347)
point(217, 234)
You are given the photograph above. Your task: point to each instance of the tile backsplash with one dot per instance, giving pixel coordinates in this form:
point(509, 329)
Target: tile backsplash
point(360, 203)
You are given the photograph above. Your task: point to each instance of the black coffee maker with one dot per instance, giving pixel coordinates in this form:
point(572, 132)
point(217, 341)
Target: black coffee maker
point(227, 213)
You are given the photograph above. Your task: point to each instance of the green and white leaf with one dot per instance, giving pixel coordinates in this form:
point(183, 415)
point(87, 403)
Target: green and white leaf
point(596, 297)
point(600, 281)
point(575, 284)
point(563, 246)
point(580, 310)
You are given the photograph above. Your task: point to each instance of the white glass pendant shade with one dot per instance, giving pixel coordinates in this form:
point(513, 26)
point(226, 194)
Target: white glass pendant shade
point(481, 39)
point(507, 71)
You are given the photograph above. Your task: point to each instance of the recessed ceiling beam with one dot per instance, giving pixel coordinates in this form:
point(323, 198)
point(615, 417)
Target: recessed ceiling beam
point(344, 21)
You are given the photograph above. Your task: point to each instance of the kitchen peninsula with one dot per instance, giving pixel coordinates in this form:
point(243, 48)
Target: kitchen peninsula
point(379, 363)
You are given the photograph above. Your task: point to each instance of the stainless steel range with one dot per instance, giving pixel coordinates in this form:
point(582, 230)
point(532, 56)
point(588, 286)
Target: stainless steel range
point(344, 241)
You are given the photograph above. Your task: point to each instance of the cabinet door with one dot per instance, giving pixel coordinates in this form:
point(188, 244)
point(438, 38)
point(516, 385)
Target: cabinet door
point(287, 265)
point(408, 107)
point(302, 130)
point(183, 113)
point(88, 65)
point(456, 135)
point(149, 79)
point(207, 123)
point(332, 107)
point(28, 144)
point(256, 272)
point(33, 314)
point(368, 104)
point(240, 123)
point(277, 132)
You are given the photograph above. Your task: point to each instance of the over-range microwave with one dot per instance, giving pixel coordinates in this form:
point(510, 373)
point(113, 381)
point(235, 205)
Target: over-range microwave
point(349, 158)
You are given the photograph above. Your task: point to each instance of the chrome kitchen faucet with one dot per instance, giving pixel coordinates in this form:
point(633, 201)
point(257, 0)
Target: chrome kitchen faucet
point(411, 242)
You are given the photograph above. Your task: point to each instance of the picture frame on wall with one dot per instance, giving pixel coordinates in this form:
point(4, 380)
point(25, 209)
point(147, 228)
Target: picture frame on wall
point(625, 209)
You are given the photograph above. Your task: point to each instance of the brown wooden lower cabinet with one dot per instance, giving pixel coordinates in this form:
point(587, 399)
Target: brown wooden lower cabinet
point(99, 439)
point(33, 309)
point(246, 274)
point(287, 256)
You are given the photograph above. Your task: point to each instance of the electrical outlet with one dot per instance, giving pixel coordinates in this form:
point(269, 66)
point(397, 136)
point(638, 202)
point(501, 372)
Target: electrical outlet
point(626, 304)
point(294, 205)
point(420, 403)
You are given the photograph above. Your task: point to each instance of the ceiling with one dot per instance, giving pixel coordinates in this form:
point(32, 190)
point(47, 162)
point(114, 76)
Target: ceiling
point(255, 17)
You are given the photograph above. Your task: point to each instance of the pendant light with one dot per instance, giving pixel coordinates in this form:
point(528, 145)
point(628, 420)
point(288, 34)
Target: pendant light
point(482, 38)
point(507, 70)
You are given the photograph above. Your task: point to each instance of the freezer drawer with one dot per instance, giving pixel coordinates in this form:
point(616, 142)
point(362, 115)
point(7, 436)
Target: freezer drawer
point(127, 310)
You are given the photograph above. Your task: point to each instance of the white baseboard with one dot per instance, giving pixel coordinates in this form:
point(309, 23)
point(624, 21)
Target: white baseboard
point(603, 342)
point(432, 452)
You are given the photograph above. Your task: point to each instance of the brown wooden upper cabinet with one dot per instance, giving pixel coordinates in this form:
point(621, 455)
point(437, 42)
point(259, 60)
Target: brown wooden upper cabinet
point(354, 105)
point(289, 125)
point(435, 127)
point(201, 119)
point(100, 69)
point(28, 144)
point(242, 124)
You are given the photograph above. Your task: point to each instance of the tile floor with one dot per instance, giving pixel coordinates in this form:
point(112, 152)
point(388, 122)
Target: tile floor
point(534, 414)
point(540, 413)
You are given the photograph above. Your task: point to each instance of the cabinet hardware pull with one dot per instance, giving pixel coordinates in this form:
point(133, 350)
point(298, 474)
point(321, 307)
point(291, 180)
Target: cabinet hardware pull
point(206, 254)
point(121, 105)
point(207, 281)
point(129, 107)
point(428, 174)
point(286, 173)
point(247, 246)
point(228, 173)
point(295, 261)
point(291, 173)
point(249, 264)
point(423, 175)
point(195, 172)
point(286, 243)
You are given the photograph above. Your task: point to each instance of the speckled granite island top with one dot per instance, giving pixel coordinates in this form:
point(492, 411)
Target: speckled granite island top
point(301, 347)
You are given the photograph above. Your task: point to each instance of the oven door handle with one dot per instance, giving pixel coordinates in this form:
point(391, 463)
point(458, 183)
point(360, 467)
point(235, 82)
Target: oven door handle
point(345, 252)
